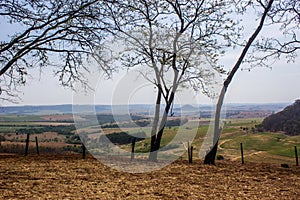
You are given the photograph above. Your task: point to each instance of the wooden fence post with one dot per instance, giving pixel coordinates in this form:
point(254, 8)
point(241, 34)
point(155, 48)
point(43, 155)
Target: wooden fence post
point(190, 152)
point(132, 148)
point(242, 153)
point(296, 156)
point(83, 151)
point(27, 144)
point(188, 147)
point(37, 145)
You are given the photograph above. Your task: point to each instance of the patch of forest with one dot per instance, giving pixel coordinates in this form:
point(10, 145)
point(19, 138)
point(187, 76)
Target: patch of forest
point(287, 120)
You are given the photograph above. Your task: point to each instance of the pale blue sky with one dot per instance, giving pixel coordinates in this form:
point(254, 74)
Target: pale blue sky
point(260, 85)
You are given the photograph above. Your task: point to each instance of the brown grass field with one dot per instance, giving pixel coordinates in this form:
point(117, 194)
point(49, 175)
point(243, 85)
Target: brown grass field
point(70, 177)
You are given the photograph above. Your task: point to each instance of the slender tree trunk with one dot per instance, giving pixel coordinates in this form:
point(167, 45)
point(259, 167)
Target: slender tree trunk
point(164, 120)
point(155, 145)
point(158, 136)
point(153, 153)
point(210, 157)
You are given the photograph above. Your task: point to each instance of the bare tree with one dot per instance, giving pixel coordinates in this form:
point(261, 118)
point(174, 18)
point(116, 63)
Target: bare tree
point(283, 13)
point(57, 33)
point(175, 44)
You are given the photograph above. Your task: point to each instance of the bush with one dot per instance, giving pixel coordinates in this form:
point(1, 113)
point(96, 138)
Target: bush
point(220, 157)
point(74, 139)
point(123, 137)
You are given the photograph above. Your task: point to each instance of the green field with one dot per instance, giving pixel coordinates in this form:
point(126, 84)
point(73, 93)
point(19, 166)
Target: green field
point(258, 146)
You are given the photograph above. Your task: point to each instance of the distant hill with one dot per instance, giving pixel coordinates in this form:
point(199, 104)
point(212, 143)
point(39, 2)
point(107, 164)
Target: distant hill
point(287, 120)
point(203, 111)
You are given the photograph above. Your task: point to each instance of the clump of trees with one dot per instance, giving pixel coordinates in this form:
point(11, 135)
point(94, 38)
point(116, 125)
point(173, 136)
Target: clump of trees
point(287, 120)
point(73, 139)
point(122, 137)
point(144, 123)
point(60, 129)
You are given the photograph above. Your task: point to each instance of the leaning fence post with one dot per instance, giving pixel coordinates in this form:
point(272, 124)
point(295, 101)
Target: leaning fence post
point(191, 154)
point(37, 145)
point(188, 147)
point(296, 156)
point(132, 148)
point(242, 153)
point(27, 144)
point(83, 151)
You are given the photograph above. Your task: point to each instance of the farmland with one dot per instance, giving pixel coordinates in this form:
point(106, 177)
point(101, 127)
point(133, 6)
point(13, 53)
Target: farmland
point(57, 134)
point(59, 172)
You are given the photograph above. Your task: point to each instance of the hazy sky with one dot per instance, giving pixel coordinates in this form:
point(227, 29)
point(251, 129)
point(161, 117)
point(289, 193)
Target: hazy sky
point(260, 85)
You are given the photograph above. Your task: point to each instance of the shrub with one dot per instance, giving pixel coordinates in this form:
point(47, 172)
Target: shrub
point(220, 157)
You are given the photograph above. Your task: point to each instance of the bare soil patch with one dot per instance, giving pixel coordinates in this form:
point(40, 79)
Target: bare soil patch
point(70, 177)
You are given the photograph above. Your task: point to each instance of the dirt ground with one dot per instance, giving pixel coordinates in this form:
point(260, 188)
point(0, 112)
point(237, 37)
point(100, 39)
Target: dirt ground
point(70, 177)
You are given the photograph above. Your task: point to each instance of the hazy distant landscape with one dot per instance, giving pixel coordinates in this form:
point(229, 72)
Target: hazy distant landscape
point(56, 132)
point(59, 171)
point(231, 109)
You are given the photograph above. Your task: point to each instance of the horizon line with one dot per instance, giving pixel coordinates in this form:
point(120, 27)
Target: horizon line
point(205, 104)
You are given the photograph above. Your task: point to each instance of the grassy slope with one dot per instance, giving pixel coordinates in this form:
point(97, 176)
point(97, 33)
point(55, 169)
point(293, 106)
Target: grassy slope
point(258, 147)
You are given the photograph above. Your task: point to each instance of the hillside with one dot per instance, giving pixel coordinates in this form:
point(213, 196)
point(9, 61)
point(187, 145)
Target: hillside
point(287, 120)
point(70, 177)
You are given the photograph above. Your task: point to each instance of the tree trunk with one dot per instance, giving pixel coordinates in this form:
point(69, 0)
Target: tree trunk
point(162, 126)
point(210, 157)
point(153, 153)
point(155, 144)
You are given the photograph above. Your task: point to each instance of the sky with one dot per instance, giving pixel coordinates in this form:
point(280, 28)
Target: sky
point(280, 84)
point(260, 85)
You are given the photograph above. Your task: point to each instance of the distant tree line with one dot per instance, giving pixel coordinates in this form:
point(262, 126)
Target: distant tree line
point(144, 123)
point(110, 118)
point(139, 123)
point(62, 130)
point(288, 120)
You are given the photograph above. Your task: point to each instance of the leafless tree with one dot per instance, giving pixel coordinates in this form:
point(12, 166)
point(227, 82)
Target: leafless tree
point(283, 14)
point(57, 33)
point(175, 44)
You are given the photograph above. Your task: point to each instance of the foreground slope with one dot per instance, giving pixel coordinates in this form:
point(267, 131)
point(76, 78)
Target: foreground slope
point(69, 177)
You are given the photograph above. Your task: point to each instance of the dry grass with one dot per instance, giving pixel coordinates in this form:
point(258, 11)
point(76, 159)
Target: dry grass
point(70, 177)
